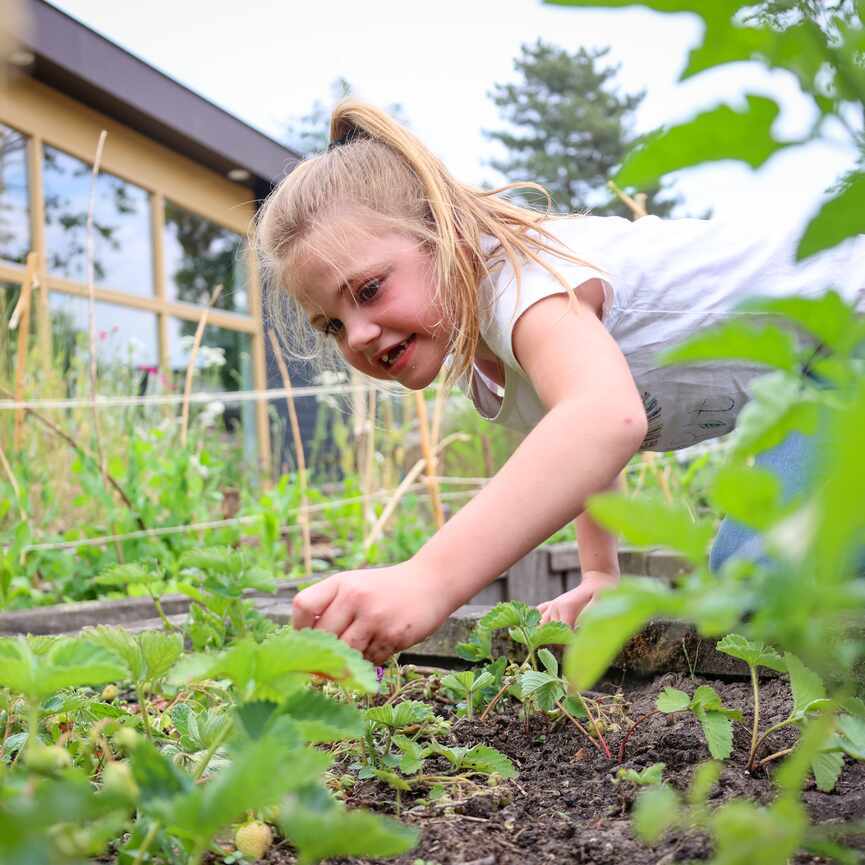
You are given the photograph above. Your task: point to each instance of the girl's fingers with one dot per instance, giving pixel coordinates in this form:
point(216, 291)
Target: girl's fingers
point(357, 636)
point(311, 603)
point(336, 618)
point(378, 653)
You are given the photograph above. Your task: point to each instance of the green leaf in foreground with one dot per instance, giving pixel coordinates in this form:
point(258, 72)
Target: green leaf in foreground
point(650, 521)
point(749, 494)
point(826, 317)
point(655, 811)
point(720, 133)
point(339, 833)
point(745, 832)
point(609, 623)
point(778, 406)
point(839, 218)
point(737, 340)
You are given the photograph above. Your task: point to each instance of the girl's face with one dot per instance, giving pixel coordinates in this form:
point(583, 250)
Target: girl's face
point(374, 294)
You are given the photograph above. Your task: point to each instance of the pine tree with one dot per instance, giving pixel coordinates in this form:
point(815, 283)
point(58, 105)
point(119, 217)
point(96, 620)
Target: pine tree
point(568, 129)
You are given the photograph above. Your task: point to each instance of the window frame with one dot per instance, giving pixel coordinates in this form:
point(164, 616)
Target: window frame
point(47, 116)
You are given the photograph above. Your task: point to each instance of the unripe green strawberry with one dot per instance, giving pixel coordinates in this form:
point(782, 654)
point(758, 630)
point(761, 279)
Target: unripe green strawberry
point(71, 841)
point(253, 839)
point(127, 738)
point(47, 758)
point(109, 693)
point(117, 779)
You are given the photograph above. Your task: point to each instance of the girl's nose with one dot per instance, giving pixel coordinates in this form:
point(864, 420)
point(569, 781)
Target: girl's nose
point(361, 332)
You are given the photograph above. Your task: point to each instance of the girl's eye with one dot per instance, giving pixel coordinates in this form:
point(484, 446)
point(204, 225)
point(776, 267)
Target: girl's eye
point(369, 290)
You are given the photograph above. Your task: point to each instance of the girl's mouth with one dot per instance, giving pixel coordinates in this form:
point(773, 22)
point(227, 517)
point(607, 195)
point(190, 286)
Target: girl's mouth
point(398, 355)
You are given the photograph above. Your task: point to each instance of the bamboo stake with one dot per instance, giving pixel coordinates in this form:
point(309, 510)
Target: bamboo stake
point(389, 424)
point(190, 368)
point(401, 490)
point(91, 295)
point(86, 454)
point(369, 458)
point(21, 321)
point(429, 458)
point(303, 515)
point(12, 480)
point(438, 411)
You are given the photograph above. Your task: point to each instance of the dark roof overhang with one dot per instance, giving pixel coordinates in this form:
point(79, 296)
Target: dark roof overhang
point(88, 67)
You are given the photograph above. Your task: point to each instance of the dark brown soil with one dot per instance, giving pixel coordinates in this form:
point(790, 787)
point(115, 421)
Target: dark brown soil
point(564, 807)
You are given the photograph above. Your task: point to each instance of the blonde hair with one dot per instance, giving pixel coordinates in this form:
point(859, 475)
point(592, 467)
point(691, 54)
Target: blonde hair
point(376, 167)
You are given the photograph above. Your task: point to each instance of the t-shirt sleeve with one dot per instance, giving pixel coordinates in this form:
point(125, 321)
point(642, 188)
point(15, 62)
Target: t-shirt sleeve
point(536, 283)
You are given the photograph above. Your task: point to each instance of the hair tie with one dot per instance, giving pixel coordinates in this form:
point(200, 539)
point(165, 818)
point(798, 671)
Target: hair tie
point(352, 135)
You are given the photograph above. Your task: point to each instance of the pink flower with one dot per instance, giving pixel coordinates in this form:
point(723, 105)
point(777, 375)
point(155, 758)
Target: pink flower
point(103, 334)
point(150, 370)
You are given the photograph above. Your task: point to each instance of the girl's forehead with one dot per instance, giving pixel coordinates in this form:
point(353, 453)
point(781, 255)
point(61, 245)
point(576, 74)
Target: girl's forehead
point(332, 257)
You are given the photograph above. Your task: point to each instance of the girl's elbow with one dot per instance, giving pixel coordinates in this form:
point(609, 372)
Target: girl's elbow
point(633, 426)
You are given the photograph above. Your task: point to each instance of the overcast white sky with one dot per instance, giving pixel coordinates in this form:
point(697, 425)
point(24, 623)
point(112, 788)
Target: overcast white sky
point(267, 61)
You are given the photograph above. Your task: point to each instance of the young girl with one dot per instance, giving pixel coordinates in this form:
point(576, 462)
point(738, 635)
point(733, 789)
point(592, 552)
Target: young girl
point(552, 326)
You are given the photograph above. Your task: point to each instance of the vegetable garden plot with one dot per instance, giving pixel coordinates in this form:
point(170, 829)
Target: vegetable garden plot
point(124, 747)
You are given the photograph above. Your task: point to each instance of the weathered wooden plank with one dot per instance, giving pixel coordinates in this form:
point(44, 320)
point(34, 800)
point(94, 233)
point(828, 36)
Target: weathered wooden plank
point(529, 579)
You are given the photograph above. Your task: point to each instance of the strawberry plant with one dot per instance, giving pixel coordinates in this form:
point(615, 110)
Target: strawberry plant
point(229, 738)
point(714, 718)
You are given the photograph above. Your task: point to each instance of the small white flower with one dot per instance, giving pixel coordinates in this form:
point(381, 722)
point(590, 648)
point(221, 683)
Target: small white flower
point(212, 411)
point(134, 346)
point(330, 377)
point(211, 356)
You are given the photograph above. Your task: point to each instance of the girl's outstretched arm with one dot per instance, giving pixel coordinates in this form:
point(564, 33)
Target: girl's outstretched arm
point(595, 422)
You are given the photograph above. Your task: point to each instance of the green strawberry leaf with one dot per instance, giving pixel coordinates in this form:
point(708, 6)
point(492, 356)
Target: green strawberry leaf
point(718, 729)
point(827, 766)
point(320, 719)
point(752, 653)
point(672, 700)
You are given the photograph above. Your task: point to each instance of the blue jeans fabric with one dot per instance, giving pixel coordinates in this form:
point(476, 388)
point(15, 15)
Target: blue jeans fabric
point(792, 461)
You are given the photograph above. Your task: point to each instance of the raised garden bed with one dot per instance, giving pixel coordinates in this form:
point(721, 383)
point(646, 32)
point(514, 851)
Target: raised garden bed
point(543, 574)
point(566, 806)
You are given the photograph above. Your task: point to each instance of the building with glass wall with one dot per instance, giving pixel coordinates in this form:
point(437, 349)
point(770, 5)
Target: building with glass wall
point(177, 189)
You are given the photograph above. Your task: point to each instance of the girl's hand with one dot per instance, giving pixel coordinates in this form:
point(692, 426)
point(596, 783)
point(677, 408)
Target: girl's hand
point(378, 611)
point(567, 607)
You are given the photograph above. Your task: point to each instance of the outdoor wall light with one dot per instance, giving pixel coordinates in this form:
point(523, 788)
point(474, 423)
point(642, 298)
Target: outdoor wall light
point(21, 57)
point(238, 174)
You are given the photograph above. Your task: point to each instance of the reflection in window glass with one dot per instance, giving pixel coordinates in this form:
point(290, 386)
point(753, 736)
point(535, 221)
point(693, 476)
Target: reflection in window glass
point(122, 249)
point(9, 294)
point(123, 335)
point(199, 255)
point(14, 208)
point(224, 363)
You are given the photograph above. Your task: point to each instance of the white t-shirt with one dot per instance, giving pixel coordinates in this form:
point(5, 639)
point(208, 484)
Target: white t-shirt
point(663, 279)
